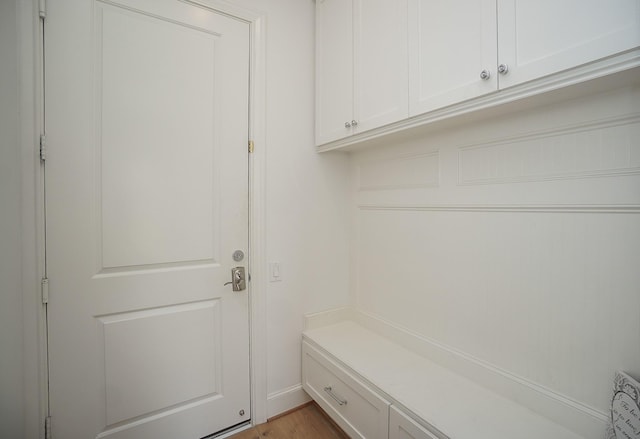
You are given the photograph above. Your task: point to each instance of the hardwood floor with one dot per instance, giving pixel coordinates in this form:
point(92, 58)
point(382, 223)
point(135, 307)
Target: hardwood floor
point(307, 422)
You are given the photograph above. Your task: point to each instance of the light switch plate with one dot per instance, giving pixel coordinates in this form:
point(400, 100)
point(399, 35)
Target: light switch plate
point(275, 273)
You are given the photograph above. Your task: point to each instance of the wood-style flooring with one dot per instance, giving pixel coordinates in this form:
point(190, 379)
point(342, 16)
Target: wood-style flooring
point(307, 422)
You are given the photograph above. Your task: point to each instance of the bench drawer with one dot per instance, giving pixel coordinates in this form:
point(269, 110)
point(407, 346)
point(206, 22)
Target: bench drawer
point(358, 410)
point(403, 427)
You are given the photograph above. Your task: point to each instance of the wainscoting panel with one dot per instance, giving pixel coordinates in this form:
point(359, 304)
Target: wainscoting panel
point(523, 258)
point(599, 149)
point(547, 296)
point(414, 171)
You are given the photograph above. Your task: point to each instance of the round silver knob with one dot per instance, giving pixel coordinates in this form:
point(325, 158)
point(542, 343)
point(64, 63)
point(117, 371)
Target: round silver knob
point(485, 74)
point(503, 69)
point(354, 123)
point(347, 124)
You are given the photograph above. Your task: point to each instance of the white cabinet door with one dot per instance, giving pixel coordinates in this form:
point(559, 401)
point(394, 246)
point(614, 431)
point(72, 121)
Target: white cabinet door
point(381, 77)
point(361, 66)
point(334, 69)
point(538, 38)
point(403, 427)
point(450, 43)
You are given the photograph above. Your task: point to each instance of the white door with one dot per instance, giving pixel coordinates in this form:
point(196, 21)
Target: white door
point(146, 201)
point(451, 43)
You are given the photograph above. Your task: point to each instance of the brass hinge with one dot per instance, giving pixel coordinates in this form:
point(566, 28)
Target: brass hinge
point(47, 427)
point(251, 146)
point(45, 290)
point(43, 148)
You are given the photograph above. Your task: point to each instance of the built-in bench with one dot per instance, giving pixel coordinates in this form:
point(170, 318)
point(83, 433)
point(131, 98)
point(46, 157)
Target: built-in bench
point(374, 388)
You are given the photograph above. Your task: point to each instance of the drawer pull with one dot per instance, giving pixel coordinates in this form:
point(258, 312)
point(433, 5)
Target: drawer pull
point(333, 395)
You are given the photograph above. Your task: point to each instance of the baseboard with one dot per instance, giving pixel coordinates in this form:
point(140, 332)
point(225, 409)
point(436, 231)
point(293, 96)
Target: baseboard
point(286, 400)
point(580, 418)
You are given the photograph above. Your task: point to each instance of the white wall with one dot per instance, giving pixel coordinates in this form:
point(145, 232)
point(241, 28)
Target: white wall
point(307, 200)
point(11, 335)
point(497, 241)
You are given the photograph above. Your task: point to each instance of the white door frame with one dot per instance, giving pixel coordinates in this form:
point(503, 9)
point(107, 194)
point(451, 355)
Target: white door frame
point(33, 242)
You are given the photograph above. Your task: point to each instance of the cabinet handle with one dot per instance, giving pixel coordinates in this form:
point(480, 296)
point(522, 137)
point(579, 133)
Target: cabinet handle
point(503, 69)
point(485, 74)
point(331, 394)
point(347, 124)
point(354, 123)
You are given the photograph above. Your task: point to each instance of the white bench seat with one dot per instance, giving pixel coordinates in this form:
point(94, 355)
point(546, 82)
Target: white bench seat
point(440, 400)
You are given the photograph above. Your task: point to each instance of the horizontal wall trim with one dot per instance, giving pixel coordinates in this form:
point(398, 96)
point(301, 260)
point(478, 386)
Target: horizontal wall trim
point(523, 208)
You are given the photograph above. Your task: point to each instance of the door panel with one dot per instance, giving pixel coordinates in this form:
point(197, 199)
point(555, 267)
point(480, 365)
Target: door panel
point(147, 196)
point(144, 353)
point(144, 122)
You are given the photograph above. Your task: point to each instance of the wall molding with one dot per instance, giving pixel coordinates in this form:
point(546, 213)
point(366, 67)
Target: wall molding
point(587, 421)
point(521, 208)
point(285, 400)
point(581, 149)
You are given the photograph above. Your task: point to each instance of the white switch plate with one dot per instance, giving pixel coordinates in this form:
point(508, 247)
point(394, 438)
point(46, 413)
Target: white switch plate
point(275, 273)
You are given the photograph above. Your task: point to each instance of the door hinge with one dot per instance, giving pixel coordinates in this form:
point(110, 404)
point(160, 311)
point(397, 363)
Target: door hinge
point(47, 427)
point(42, 9)
point(45, 290)
point(43, 147)
point(251, 146)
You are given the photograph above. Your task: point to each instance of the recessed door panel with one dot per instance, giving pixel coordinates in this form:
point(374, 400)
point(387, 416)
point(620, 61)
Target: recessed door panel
point(160, 358)
point(157, 140)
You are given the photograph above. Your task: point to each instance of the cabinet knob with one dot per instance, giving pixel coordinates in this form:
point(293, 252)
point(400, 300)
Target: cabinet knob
point(354, 123)
point(485, 74)
point(347, 124)
point(503, 69)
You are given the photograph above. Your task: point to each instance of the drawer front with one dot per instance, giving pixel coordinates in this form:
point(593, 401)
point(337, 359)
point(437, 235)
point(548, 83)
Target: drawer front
point(359, 411)
point(403, 427)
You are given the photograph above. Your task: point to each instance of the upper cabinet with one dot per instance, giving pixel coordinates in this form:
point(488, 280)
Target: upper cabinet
point(542, 37)
point(361, 66)
point(387, 65)
point(452, 52)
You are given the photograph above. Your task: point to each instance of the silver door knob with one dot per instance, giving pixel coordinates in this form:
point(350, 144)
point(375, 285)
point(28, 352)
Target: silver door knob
point(354, 123)
point(238, 279)
point(503, 69)
point(485, 74)
point(347, 124)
